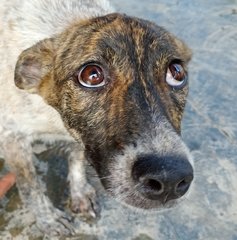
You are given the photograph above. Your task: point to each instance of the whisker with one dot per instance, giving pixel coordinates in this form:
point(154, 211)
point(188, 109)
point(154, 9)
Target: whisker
point(107, 177)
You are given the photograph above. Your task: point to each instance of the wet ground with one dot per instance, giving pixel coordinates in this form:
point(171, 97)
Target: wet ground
point(209, 129)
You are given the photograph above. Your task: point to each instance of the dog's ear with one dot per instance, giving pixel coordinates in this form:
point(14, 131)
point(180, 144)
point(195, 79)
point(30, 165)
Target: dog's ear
point(33, 65)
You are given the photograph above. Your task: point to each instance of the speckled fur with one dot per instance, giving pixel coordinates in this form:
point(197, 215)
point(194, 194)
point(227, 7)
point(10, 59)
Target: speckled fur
point(135, 112)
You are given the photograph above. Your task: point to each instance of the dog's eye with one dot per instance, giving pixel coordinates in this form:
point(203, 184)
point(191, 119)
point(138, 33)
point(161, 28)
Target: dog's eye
point(91, 76)
point(176, 76)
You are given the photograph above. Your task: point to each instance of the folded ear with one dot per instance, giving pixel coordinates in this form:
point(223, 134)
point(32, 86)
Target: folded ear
point(33, 65)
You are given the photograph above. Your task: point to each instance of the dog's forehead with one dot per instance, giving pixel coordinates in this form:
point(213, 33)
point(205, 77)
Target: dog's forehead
point(126, 30)
point(128, 36)
point(113, 39)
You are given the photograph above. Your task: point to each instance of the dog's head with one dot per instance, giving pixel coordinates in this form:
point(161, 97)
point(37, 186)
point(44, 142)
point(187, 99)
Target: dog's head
point(119, 84)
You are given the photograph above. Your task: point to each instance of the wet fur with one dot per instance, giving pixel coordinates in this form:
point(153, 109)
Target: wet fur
point(135, 112)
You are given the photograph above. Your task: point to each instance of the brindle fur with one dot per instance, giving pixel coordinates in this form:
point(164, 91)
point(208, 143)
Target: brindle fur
point(135, 64)
point(135, 112)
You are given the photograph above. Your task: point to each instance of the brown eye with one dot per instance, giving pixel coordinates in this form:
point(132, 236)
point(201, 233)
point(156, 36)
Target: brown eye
point(91, 76)
point(176, 76)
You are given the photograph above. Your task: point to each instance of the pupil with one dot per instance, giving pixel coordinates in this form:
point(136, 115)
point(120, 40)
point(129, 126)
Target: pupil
point(94, 74)
point(177, 68)
point(177, 72)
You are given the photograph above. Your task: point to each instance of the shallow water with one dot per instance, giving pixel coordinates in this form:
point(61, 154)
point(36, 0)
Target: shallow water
point(209, 129)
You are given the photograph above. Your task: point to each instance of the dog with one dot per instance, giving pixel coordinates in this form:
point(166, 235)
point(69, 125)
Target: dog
point(111, 87)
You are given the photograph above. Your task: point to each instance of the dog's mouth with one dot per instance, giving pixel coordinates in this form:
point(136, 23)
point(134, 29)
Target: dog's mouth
point(155, 173)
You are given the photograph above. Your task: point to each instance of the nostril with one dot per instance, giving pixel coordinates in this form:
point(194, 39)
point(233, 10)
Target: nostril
point(153, 185)
point(183, 186)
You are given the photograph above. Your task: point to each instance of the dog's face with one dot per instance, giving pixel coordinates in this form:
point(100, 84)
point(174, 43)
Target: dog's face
point(120, 85)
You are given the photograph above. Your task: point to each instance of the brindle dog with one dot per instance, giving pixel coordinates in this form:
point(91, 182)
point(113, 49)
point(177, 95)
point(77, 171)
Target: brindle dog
point(119, 84)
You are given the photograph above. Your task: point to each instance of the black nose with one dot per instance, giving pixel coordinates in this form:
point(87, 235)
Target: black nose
point(164, 178)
